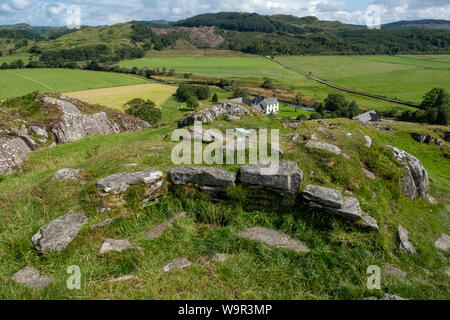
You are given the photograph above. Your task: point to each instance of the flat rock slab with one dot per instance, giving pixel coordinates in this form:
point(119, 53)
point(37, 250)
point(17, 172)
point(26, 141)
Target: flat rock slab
point(369, 174)
point(324, 196)
point(284, 175)
point(443, 242)
point(351, 209)
point(324, 146)
point(403, 242)
point(179, 263)
point(273, 238)
point(157, 231)
point(208, 176)
point(367, 222)
point(115, 245)
point(57, 234)
point(31, 278)
point(393, 271)
point(123, 278)
point(66, 174)
point(118, 183)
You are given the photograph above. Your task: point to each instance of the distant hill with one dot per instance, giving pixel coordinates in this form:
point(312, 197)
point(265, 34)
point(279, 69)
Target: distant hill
point(419, 24)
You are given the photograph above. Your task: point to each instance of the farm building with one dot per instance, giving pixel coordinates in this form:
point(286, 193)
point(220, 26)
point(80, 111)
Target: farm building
point(368, 116)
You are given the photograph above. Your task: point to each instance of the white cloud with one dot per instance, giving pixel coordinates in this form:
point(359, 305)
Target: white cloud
point(103, 12)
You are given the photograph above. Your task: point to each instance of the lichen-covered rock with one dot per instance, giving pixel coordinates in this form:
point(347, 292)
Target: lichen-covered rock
point(210, 114)
point(115, 245)
point(119, 183)
point(66, 174)
point(74, 125)
point(415, 184)
point(324, 196)
point(350, 210)
point(179, 263)
point(403, 242)
point(273, 238)
point(284, 176)
point(57, 234)
point(39, 131)
point(367, 222)
point(206, 176)
point(324, 146)
point(13, 153)
point(31, 278)
point(443, 242)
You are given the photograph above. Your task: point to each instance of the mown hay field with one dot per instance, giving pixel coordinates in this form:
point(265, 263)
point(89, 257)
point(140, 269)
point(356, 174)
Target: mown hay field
point(118, 96)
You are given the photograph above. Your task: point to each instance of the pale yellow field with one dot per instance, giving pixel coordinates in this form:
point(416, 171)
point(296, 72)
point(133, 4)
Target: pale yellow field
point(116, 97)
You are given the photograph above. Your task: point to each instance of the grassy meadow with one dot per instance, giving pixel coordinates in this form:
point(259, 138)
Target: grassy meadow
point(116, 97)
point(334, 269)
point(404, 77)
point(19, 82)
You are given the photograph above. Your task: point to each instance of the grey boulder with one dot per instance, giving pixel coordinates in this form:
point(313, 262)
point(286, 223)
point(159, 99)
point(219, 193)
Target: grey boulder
point(57, 234)
point(443, 242)
point(13, 153)
point(324, 146)
point(403, 242)
point(415, 183)
point(350, 210)
point(179, 263)
point(283, 176)
point(273, 238)
point(324, 196)
point(206, 176)
point(31, 278)
point(115, 245)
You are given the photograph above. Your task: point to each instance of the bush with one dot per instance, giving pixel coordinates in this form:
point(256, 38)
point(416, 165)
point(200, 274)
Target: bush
point(335, 101)
point(268, 84)
point(215, 98)
point(192, 102)
point(145, 110)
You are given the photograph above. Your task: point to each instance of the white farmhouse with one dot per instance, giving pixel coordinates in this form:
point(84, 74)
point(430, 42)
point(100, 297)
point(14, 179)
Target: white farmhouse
point(266, 105)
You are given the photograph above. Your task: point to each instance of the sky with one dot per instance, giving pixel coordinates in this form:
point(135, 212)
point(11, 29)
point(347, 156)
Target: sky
point(106, 12)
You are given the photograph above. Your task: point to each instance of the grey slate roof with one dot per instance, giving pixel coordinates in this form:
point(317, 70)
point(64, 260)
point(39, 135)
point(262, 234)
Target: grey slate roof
point(368, 116)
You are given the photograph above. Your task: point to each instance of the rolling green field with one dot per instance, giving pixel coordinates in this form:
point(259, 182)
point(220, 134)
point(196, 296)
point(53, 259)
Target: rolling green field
point(404, 77)
point(15, 83)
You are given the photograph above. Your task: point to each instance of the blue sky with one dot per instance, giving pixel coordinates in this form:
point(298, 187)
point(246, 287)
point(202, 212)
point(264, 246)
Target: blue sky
point(102, 12)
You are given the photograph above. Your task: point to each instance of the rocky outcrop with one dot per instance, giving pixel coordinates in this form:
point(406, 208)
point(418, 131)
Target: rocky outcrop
point(205, 176)
point(426, 138)
point(66, 174)
point(415, 184)
point(273, 238)
point(31, 278)
point(57, 234)
point(74, 125)
point(210, 114)
point(403, 242)
point(284, 176)
point(119, 183)
point(13, 153)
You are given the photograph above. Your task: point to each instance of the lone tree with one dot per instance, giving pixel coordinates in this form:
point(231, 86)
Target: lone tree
point(145, 110)
point(268, 84)
point(436, 103)
point(215, 98)
point(192, 102)
point(335, 101)
point(298, 100)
